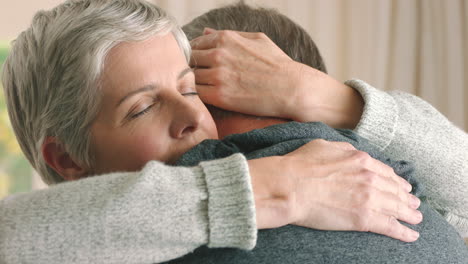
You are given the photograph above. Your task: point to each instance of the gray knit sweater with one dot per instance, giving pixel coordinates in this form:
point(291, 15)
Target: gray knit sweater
point(163, 212)
point(438, 243)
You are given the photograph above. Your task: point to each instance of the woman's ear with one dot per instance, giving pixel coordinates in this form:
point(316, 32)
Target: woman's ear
point(60, 160)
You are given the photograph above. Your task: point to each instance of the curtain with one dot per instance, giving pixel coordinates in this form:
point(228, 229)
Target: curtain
point(417, 46)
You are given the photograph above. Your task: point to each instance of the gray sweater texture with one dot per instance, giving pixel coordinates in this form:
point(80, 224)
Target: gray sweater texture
point(162, 212)
point(438, 242)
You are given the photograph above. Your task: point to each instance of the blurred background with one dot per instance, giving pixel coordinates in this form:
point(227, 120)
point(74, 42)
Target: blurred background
point(417, 46)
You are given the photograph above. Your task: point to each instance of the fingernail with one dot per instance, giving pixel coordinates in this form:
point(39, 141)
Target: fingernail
point(414, 235)
point(415, 202)
point(420, 215)
point(208, 30)
point(408, 187)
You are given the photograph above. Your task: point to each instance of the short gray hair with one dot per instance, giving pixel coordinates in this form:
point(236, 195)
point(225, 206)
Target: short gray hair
point(51, 76)
point(285, 33)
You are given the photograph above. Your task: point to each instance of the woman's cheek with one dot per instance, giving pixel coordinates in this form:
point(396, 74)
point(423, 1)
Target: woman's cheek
point(149, 147)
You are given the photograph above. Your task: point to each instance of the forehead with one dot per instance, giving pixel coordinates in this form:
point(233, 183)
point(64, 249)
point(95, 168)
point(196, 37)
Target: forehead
point(133, 64)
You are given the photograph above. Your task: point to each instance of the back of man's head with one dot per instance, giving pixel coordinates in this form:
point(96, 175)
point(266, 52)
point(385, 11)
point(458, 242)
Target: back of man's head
point(284, 32)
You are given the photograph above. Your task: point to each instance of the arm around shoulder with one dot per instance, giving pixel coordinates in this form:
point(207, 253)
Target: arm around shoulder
point(406, 127)
point(154, 215)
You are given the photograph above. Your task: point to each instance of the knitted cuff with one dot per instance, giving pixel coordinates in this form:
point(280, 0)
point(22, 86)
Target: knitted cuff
point(380, 115)
point(460, 223)
point(231, 209)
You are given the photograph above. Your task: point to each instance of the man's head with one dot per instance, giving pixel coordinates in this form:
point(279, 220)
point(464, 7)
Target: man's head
point(284, 32)
point(102, 85)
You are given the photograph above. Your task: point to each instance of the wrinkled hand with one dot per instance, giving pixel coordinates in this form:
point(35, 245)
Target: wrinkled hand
point(247, 73)
point(332, 186)
point(243, 72)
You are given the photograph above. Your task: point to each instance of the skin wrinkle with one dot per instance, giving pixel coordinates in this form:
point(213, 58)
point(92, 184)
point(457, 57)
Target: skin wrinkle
point(164, 123)
point(146, 88)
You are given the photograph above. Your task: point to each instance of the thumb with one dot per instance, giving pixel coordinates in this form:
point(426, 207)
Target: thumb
point(208, 30)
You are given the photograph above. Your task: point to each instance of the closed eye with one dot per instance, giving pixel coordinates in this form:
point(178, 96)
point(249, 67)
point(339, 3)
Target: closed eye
point(191, 93)
point(147, 109)
point(142, 112)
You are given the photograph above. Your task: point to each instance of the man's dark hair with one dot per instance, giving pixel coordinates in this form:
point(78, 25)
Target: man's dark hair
point(284, 32)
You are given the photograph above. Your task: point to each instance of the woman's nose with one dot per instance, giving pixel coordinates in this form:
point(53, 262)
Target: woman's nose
point(187, 116)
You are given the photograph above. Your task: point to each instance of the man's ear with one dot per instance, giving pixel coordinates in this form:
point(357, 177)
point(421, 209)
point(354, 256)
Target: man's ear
point(60, 161)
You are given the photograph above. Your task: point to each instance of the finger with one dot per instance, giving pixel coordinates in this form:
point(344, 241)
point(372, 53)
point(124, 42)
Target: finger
point(388, 226)
point(211, 40)
point(249, 35)
point(203, 58)
point(387, 171)
point(208, 30)
point(208, 94)
point(374, 181)
point(392, 205)
point(384, 195)
point(204, 42)
point(204, 76)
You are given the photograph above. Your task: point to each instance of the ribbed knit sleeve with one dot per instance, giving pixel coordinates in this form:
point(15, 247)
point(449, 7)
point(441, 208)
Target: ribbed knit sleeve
point(154, 215)
point(231, 209)
point(406, 127)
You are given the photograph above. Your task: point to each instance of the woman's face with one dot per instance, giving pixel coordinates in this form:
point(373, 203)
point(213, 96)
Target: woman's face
point(150, 109)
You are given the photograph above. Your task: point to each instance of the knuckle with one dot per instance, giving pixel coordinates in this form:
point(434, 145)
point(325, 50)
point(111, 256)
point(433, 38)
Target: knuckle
point(391, 227)
point(367, 194)
point(397, 211)
point(368, 177)
point(364, 187)
point(219, 75)
point(362, 157)
point(225, 36)
point(260, 35)
point(218, 56)
point(349, 146)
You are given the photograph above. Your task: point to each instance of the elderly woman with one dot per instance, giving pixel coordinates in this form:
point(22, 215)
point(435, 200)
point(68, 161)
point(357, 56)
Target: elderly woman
point(95, 87)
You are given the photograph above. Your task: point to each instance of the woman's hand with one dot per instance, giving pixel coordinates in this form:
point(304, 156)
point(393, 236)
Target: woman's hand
point(248, 73)
point(332, 186)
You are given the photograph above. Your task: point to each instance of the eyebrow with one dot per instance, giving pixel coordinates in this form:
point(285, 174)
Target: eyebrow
point(150, 87)
point(145, 88)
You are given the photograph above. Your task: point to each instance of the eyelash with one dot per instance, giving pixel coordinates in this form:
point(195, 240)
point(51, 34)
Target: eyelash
point(147, 109)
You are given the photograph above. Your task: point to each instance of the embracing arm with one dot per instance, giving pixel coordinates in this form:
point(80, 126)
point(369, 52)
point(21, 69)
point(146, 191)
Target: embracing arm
point(163, 212)
point(248, 73)
point(406, 127)
point(154, 215)
point(402, 126)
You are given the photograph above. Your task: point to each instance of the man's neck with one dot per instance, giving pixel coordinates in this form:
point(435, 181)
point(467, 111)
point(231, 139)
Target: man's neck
point(238, 123)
